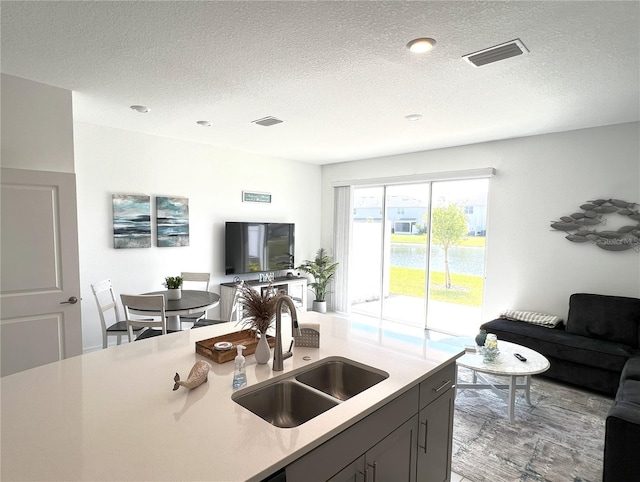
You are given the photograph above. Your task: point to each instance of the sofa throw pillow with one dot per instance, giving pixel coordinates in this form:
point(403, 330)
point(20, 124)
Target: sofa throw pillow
point(605, 317)
point(550, 321)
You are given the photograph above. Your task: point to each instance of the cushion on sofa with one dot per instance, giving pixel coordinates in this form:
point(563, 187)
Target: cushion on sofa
point(631, 369)
point(611, 318)
point(559, 344)
point(626, 411)
point(629, 391)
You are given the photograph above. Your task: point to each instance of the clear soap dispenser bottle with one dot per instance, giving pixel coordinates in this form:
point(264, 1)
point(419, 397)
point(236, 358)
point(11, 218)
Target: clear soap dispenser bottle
point(239, 372)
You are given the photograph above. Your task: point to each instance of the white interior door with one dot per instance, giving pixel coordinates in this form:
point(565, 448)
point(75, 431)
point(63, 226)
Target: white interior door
point(40, 313)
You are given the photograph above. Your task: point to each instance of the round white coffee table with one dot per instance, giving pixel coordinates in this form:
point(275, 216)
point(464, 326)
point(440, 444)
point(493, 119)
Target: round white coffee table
point(505, 364)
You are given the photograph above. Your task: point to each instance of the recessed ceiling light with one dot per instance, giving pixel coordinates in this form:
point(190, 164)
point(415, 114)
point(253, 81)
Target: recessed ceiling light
point(421, 45)
point(413, 117)
point(205, 123)
point(143, 109)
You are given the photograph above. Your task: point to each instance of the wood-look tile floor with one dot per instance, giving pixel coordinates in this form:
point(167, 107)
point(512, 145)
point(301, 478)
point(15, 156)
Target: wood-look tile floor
point(459, 478)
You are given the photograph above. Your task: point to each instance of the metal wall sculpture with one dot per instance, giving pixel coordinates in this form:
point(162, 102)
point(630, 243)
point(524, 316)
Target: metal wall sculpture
point(581, 227)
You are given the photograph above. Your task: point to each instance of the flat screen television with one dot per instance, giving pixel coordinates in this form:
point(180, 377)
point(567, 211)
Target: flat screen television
point(258, 247)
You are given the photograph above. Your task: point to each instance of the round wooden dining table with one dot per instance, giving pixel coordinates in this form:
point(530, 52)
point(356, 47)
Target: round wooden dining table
point(191, 302)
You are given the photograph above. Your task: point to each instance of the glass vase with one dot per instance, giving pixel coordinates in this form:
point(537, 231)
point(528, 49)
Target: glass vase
point(490, 348)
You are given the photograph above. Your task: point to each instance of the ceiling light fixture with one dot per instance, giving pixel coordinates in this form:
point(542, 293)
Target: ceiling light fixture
point(204, 123)
point(267, 121)
point(421, 45)
point(413, 117)
point(143, 109)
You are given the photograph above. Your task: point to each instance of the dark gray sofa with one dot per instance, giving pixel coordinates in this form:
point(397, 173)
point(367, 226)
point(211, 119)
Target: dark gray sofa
point(589, 350)
point(599, 349)
point(622, 437)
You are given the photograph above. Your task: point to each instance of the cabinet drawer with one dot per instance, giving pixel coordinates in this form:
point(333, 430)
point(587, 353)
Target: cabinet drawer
point(437, 384)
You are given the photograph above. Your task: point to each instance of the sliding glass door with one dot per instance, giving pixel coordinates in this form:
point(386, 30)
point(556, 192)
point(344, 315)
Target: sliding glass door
point(366, 256)
point(458, 228)
point(417, 253)
point(390, 252)
point(406, 253)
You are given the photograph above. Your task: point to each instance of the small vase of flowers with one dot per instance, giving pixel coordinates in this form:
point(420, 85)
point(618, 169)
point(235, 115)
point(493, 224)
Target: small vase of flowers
point(174, 287)
point(490, 349)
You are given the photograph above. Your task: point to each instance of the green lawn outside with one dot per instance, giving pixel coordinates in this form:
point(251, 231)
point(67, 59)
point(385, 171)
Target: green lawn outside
point(470, 241)
point(466, 290)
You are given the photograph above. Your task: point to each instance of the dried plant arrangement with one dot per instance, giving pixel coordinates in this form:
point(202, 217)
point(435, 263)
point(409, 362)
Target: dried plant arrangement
point(259, 307)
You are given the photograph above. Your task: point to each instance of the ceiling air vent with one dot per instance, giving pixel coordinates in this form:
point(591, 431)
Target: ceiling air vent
point(267, 121)
point(496, 53)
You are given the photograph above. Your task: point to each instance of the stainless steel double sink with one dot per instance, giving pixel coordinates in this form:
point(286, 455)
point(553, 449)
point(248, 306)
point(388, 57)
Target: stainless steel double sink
point(299, 396)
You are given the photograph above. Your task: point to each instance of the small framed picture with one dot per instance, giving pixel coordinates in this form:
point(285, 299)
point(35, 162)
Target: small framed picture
point(256, 197)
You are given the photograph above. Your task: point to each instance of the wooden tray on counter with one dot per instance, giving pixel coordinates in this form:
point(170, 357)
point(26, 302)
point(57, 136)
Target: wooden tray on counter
point(243, 337)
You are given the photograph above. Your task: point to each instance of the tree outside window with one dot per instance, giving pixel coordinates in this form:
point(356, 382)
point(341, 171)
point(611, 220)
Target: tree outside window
point(448, 226)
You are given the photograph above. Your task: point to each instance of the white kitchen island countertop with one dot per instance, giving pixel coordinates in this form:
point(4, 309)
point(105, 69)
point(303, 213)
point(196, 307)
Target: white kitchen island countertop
point(112, 414)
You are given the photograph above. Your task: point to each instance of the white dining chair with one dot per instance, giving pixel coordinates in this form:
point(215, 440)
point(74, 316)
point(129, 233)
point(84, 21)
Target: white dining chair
point(198, 281)
point(152, 303)
point(109, 312)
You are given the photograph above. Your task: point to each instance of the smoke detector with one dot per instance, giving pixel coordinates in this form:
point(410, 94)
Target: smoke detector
point(496, 53)
point(267, 121)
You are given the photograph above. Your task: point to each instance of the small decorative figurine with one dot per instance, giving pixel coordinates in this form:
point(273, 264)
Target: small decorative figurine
point(197, 376)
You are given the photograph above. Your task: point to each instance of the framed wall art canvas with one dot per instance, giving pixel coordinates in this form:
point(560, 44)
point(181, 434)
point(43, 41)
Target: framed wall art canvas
point(131, 221)
point(172, 215)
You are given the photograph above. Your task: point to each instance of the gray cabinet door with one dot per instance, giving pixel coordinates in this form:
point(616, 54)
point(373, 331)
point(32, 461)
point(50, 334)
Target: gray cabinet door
point(393, 459)
point(435, 439)
point(370, 437)
point(354, 472)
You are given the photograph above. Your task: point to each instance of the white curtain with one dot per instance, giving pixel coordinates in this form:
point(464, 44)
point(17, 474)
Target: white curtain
point(341, 246)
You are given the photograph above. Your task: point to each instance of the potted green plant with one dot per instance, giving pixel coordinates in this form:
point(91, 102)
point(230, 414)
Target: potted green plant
point(322, 268)
point(174, 287)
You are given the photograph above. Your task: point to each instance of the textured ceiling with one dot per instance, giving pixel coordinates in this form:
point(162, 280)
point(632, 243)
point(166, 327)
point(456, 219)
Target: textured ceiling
point(337, 73)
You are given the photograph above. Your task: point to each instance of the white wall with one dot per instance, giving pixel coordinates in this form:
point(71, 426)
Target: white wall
point(38, 133)
point(37, 126)
point(110, 161)
point(529, 265)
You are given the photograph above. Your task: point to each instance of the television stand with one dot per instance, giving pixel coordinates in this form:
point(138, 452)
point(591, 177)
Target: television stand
point(295, 288)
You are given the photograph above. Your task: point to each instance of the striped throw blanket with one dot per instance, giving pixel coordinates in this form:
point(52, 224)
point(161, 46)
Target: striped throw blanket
point(549, 321)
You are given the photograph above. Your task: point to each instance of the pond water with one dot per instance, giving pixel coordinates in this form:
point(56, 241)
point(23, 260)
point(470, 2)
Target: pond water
point(462, 260)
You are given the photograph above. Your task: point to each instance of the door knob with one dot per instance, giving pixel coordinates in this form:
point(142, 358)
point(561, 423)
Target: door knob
point(72, 301)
